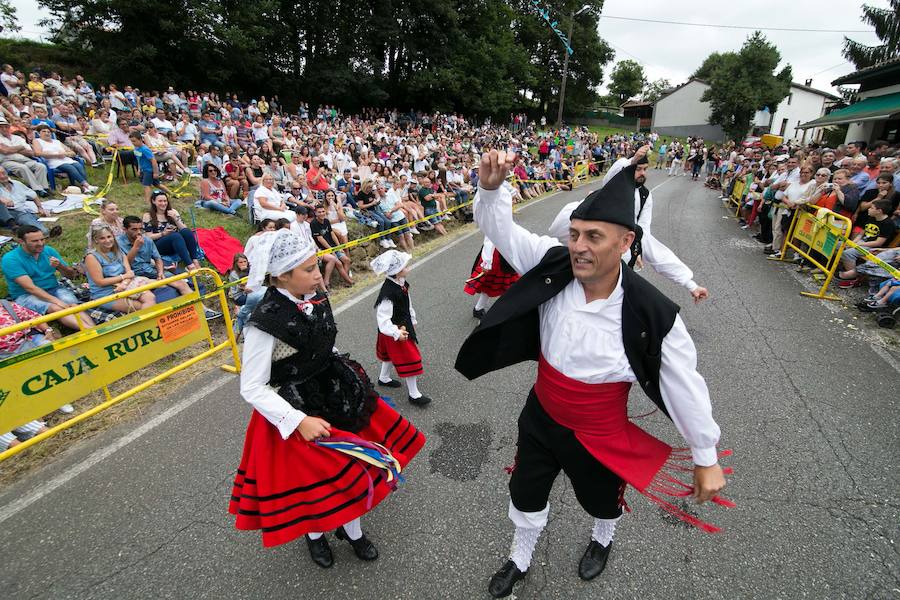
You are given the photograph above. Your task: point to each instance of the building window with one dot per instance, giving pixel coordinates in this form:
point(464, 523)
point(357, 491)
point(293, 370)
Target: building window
point(790, 97)
point(784, 123)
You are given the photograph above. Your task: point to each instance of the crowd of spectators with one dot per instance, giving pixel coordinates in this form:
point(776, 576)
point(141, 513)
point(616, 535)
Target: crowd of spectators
point(314, 170)
point(858, 181)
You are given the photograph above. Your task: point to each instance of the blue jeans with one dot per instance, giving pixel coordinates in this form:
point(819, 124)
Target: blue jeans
point(181, 242)
point(376, 215)
point(74, 171)
point(20, 217)
point(40, 305)
point(431, 211)
point(219, 207)
point(240, 319)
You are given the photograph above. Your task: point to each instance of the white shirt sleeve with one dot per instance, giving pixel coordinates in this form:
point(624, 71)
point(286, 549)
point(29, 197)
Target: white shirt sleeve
point(685, 395)
point(383, 315)
point(666, 263)
point(256, 369)
point(614, 169)
point(412, 313)
point(521, 248)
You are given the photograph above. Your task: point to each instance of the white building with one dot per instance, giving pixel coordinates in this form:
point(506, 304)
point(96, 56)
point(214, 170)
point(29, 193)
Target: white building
point(680, 112)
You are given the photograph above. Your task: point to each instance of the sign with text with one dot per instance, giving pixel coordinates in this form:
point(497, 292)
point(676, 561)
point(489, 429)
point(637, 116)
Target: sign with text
point(37, 383)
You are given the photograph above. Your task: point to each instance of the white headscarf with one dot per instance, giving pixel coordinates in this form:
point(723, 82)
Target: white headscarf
point(390, 263)
point(277, 253)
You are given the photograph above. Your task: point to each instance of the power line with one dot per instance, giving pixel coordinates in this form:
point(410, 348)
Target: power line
point(830, 68)
point(738, 26)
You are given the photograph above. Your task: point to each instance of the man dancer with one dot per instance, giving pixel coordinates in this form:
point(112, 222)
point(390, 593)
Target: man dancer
point(653, 252)
point(595, 327)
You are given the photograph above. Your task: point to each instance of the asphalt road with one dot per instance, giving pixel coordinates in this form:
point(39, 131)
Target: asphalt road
point(807, 405)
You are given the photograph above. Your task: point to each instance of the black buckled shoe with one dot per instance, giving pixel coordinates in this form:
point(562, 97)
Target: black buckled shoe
point(501, 584)
point(594, 560)
point(478, 313)
point(393, 383)
point(320, 552)
point(420, 401)
point(363, 548)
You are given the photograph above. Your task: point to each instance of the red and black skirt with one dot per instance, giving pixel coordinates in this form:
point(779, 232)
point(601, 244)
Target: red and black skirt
point(287, 488)
point(404, 355)
point(492, 282)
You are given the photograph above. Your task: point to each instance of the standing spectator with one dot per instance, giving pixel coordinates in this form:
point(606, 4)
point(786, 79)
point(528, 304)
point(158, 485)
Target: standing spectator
point(12, 81)
point(147, 164)
point(108, 273)
point(59, 158)
point(17, 157)
point(164, 226)
point(30, 272)
point(14, 198)
point(858, 173)
point(214, 194)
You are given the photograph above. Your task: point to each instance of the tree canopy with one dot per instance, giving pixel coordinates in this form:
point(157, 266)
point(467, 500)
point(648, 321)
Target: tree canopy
point(474, 56)
point(627, 80)
point(653, 90)
point(886, 22)
point(740, 83)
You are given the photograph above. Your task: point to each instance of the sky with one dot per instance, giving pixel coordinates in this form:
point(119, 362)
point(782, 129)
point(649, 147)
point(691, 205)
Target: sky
point(673, 52)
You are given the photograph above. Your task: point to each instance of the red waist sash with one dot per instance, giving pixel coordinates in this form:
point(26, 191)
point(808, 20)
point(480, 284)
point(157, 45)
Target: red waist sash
point(598, 415)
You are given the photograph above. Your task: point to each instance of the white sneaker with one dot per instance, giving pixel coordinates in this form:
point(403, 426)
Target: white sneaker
point(383, 243)
point(391, 244)
point(414, 231)
point(66, 409)
point(92, 188)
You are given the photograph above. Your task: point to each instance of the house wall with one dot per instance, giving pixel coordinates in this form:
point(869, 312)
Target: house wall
point(681, 114)
point(804, 106)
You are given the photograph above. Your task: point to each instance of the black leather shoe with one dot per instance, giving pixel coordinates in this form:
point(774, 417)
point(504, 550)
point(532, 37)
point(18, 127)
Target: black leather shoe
point(393, 383)
point(478, 314)
point(420, 401)
point(320, 552)
point(594, 560)
point(501, 584)
point(363, 548)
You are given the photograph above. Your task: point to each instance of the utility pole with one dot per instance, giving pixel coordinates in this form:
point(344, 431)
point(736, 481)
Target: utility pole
point(562, 87)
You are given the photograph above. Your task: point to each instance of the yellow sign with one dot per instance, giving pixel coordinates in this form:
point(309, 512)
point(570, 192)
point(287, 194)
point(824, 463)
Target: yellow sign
point(38, 382)
point(816, 234)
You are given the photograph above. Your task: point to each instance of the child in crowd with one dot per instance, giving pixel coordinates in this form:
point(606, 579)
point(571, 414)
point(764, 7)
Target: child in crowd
point(877, 230)
point(396, 346)
point(240, 268)
point(491, 277)
point(147, 164)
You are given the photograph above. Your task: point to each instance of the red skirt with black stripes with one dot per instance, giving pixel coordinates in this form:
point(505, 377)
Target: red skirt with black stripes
point(492, 282)
point(405, 355)
point(288, 488)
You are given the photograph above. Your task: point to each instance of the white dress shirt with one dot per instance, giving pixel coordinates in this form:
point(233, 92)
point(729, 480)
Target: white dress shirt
point(385, 311)
point(583, 340)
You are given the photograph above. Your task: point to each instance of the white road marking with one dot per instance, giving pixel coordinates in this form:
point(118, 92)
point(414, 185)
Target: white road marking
point(47, 487)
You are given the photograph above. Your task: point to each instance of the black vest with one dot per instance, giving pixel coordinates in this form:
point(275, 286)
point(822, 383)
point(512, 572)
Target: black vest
point(399, 297)
point(510, 332)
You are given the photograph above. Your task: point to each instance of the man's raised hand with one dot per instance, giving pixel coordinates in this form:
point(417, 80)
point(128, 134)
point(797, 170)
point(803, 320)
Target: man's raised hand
point(495, 165)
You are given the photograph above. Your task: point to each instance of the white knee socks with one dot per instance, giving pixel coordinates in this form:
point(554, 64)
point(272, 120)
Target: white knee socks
point(528, 529)
point(385, 375)
point(413, 387)
point(604, 529)
point(482, 302)
point(353, 530)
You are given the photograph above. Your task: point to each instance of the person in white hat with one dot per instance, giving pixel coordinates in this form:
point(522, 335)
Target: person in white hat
point(396, 346)
point(309, 402)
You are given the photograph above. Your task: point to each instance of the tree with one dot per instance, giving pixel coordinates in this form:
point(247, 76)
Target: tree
point(705, 70)
point(8, 19)
point(886, 22)
point(740, 83)
point(627, 80)
point(654, 89)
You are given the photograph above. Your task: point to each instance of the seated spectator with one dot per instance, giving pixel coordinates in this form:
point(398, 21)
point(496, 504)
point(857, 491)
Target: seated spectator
point(212, 156)
point(335, 214)
point(329, 261)
point(213, 192)
point(24, 339)
point(877, 231)
point(142, 253)
point(884, 188)
point(161, 123)
point(59, 158)
point(235, 179)
point(17, 157)
point(240, 269)
point(268, 202)
point(109, 217)
point(316, 179)
point(164, 226)
point(210, 130)
point(391, 206)
point(30, 272)
point(321, 231)
point(67, 125)
point(14, 207)
point(346, 186)
point(186, 131)
point(108, 272)
point(24, 432)
point(428, 200)
point(102, 124)
point(162, 153)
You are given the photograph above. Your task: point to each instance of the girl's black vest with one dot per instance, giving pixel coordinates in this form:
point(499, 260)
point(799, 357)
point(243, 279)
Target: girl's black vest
point(510, 332)
point(399, 297)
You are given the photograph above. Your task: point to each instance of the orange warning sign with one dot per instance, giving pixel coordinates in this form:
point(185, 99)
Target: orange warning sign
point(179, 323)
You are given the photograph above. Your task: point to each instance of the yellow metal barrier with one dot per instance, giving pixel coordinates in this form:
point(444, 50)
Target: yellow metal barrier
point(816, 234)
point(39, 381)
point(737, 194)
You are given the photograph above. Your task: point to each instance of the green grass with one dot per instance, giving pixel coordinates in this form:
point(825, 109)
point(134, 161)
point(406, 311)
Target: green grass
point(603, 130)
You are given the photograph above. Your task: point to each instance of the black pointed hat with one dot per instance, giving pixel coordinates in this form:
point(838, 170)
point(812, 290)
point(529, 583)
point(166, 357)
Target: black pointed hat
point(613, 203)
